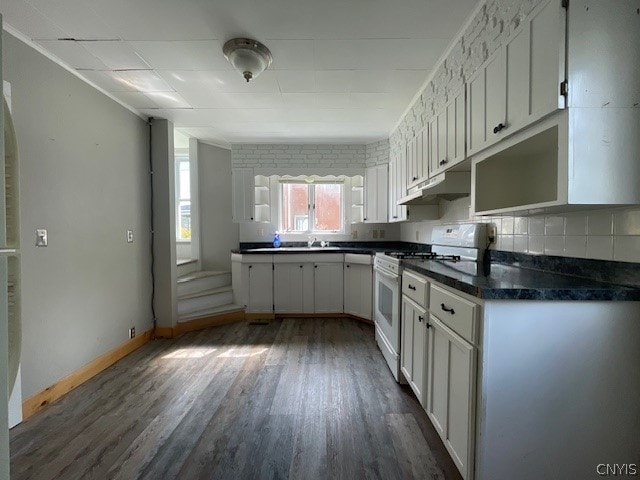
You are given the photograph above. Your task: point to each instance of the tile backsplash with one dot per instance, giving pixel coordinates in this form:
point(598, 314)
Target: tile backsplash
point(611, 234)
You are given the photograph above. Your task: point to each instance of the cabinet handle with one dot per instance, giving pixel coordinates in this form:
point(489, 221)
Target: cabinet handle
point(315, 266)
point(428, 325)
point(251, 218)
point(420, 318)
point(365, 219)
point(444, 162)
point(447, 309)
point(300, 266)
point(415, 178)
point(250, 266)
point(348, 266)
point(411, 287)
point(395, 216)
point(498, 128)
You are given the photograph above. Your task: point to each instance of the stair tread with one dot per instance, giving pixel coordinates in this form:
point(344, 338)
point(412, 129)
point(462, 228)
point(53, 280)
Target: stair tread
point(204, 293)
point(205, 312)
point(201, 274)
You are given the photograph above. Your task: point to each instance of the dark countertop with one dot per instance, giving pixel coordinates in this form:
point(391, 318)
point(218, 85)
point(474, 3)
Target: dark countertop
point(509, 276)
point(510, 282)
point(366, 248)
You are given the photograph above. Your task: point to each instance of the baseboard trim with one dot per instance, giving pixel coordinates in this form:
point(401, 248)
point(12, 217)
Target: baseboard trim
point(63, 386)
point(200, 324)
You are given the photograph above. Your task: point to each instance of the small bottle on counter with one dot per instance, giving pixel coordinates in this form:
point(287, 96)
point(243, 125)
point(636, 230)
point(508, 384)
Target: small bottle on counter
point(276, 240)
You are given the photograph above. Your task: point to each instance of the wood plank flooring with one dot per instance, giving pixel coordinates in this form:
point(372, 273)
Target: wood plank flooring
point(295, 398)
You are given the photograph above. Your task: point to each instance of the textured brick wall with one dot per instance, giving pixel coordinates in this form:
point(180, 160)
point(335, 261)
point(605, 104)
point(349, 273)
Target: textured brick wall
point(300, 156)
point(494, 23)
point(377, 153)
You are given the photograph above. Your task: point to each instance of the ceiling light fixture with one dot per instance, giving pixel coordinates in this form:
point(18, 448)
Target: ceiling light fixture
point(249, 57)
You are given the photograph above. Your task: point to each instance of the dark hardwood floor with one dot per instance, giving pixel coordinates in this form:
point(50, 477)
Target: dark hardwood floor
point(295, 398)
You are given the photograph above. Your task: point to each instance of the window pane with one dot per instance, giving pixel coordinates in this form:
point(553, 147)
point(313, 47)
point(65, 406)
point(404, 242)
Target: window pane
point(328, 212)
point(184, 184)
point(184, 227)
point(295, 207)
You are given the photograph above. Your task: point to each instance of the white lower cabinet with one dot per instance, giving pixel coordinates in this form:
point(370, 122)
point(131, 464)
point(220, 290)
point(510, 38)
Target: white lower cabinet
point(451, 384)
point(288, 291)
point(413, 346)
point(328, 287)
point(358, 286)
point(260, 291)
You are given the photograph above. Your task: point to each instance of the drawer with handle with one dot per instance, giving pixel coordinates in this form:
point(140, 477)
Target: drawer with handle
point(415, 287)
point(454, 311)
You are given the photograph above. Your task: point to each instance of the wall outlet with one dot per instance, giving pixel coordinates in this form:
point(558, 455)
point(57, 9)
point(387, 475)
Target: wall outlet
point(132, 332)
point(129, 236)
point(381, 233)
point(261, 232)
point(354, 234)
point(42, 240)
point(417, 235)
point(374, 233)
point(492, 232)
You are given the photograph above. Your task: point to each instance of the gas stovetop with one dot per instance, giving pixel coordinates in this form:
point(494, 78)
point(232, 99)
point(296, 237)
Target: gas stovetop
point(423, 256)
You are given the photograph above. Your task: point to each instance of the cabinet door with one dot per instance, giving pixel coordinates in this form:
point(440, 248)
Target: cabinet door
point(451, 392)
point(434, 156)
point(358, 290)
point(406, 343)
point(328, 287)
point(419, 353)
point(518, 81)
point(401, 188)
point(288, 292)
point(496, 97)
point(376, 195)
point(547, 31)
point(260, 295)
point(426, 152)
point(437, 378)
point(392, 213)
point(243, 194)
point(476, 121)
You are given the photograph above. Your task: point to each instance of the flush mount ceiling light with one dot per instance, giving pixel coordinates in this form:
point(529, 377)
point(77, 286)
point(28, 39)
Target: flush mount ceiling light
point(249, 57)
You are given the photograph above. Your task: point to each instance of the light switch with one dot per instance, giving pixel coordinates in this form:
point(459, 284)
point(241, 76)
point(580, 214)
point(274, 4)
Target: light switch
point(129, 236)
point(41, 237)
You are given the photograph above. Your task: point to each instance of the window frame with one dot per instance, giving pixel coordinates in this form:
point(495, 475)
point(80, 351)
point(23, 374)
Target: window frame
point(311, 206)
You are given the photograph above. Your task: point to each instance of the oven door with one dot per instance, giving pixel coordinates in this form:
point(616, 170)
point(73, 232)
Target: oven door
point(387, 307)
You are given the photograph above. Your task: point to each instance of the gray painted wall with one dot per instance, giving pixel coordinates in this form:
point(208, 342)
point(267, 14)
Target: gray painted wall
point(164, 223)
point(4, 347)
point(218, 233)
point(84, 177)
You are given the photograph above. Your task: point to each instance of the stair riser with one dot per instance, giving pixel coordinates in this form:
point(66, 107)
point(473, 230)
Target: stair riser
point(202, 284)
point(186, 268)
point(200, 303)
point(209, 312)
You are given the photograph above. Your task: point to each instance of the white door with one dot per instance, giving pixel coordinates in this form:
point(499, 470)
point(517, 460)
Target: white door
point(288, 291)
point(260, 295)
point(328, 287)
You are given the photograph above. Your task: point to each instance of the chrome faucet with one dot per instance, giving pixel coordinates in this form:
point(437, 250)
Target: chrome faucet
point(311, 241)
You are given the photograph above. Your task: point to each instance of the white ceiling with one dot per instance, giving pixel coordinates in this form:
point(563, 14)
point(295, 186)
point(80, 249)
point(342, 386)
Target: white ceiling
point(343, 71)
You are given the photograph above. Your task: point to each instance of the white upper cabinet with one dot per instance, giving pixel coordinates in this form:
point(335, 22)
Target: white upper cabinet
point(243, 187)
point(417, 158)
point(448, 135)
point(397, 187)
point(587, 154)
point(521, 82)
point(376, 188)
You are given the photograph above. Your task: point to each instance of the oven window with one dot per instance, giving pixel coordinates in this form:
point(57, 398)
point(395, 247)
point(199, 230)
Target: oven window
point(385, 302)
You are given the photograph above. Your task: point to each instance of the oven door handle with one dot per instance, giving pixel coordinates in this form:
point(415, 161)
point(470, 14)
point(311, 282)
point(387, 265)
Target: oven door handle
point(384, 273)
